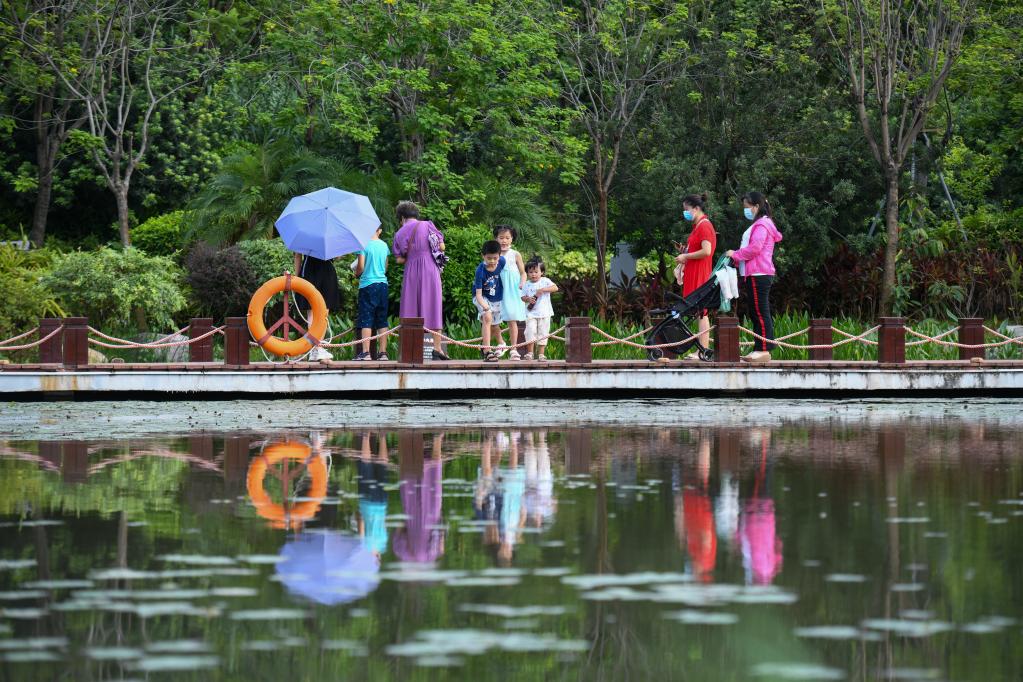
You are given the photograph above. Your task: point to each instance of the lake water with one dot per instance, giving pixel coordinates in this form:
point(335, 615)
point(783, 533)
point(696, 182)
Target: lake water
point(722, 541)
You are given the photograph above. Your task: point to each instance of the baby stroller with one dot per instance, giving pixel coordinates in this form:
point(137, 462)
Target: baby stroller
point(682, 313)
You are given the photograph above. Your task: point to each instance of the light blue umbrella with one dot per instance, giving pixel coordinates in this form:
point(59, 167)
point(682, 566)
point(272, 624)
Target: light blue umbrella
point(327, 223)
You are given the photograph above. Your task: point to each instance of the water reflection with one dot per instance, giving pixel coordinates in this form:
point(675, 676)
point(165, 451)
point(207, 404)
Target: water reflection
point(595, 550)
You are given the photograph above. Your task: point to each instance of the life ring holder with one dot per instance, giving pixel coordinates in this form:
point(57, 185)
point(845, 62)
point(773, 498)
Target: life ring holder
point(281, 515)
point(265, 338)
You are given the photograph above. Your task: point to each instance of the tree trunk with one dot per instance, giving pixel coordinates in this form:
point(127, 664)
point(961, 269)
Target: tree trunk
point(42, 209)
point(601, 247)
point(48, 135)
point(891, 220)
point(121, 193)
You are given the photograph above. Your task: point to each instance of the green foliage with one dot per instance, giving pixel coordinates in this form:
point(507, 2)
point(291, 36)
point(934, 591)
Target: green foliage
point(463, 246)
point(161, 235)
point(221, 280)
point(107, 284)
point(23, 298)
point(252, 188)
point(268, 258)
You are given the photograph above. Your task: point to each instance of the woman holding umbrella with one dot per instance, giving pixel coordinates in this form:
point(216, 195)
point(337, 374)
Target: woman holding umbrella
point(323, 276)
point(415, 245)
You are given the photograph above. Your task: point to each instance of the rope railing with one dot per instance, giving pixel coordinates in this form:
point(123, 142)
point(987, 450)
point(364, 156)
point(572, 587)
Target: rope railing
point(355, 342)
point(813, 346)
point(475, 346)
point(125, 344)
point(584, 337)
point(614, 340)
point(26, 346)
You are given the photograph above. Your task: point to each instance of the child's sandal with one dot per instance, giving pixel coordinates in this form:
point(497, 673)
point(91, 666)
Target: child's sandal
point(492, 356)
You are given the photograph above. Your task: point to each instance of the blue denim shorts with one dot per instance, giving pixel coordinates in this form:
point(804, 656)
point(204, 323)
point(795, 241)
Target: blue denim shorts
point(372, 307)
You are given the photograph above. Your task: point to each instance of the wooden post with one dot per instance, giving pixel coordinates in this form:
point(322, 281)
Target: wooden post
point(726, 339)
point(236, 457)
point(578, 346)
point(820, 334)
point(50, 351)
point(891, 341)
point(200, 351)
point(410, 454)
point(971, 331)
point(74, 465)
point(410, 340)
point(578, 451)
point(236, 341)
point(76, 342)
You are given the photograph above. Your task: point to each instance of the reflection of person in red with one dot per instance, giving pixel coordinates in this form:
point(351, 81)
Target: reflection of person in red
point(694, 518)
point(761, 546)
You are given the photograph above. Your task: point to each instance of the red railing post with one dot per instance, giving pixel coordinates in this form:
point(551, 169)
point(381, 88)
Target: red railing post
point(200, 351)
point(578, 343)
point(891, 340)
point(820, 334)
point(971, 331)
point(726, 339)
point(50, 351)
point(76, 342)
point(236, 341)
point(410, 340)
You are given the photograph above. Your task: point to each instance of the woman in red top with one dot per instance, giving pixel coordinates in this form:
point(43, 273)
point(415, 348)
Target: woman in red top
point(697, 257)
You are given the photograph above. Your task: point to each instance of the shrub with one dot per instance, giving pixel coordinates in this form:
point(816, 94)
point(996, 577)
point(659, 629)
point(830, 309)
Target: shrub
point(463, 246)
point(162, 235)
point(222, 281)
point(23, 299)
point(268, 258)
point(107, 285)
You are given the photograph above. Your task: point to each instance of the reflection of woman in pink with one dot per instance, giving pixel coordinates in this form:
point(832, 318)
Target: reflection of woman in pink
point(421, 540)
point(694, 519)
point(761, 546)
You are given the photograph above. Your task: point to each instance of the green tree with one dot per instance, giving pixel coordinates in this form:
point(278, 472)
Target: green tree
point(615, 54)
point(897, 56)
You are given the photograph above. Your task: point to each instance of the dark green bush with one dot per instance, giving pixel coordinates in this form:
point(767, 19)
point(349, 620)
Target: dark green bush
point(222, 281)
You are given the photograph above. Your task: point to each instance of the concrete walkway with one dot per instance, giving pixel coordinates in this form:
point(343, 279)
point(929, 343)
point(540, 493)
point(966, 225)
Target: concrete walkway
point(608, 379)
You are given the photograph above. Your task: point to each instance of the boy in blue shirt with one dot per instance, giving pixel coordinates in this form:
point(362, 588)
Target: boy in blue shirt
point(487, 294)
point(372, 271)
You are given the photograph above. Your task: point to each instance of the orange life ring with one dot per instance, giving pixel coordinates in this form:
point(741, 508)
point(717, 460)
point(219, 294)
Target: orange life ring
point(279, 515)
point(277, 345)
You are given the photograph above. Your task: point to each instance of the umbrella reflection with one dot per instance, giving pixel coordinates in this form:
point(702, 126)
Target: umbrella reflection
point(328, 567)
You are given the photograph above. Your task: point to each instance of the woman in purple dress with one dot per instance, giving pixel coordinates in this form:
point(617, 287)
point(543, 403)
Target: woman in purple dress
point(420, 287)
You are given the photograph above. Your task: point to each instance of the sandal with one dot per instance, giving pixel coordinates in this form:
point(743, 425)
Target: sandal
point(514, 355)
point(439, 355)
point(542, 357)
point(492, 356)
point(527, 356)
point(383, 357)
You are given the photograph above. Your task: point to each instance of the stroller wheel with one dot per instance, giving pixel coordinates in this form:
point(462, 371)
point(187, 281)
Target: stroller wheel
point(706, 354)
point(655, 354)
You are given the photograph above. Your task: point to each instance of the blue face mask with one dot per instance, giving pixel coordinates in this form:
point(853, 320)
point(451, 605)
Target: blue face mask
point(688, 215)
point(748, 212)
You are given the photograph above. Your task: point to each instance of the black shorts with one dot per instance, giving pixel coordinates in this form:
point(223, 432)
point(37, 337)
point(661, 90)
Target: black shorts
point(372, 307)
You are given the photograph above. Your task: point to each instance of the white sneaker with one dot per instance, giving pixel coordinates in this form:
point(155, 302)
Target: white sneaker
point(319, 353)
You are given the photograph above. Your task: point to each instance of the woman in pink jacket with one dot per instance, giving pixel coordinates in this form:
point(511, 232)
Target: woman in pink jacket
point(756, 269)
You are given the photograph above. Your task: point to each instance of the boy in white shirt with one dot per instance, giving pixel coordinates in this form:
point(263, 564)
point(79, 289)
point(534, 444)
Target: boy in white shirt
point(537, 296)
